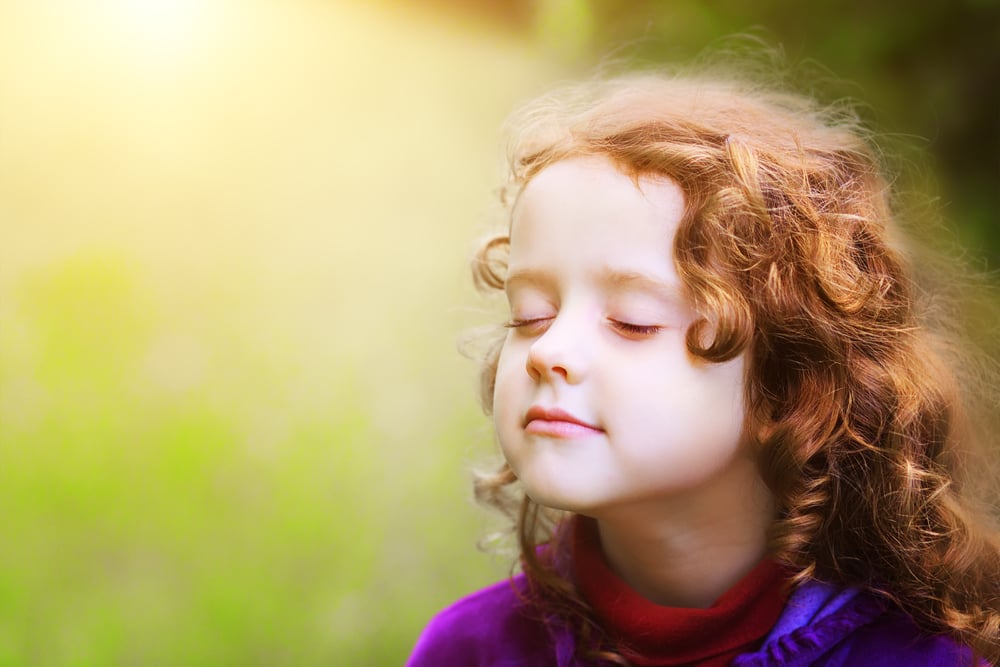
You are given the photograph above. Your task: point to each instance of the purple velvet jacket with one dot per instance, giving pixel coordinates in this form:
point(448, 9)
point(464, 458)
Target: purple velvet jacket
point(820, 625)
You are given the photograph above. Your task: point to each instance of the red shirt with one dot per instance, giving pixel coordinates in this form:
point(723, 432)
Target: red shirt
point(653, 635)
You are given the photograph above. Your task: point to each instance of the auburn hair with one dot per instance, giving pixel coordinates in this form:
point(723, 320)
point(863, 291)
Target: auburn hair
point(790, 246)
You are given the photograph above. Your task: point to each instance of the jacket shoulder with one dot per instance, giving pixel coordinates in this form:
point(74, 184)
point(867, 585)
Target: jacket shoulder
point(865, 631)
point(894, 639)
point(493, 626)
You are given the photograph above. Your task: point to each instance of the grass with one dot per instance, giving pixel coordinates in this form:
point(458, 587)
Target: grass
point(233, 422)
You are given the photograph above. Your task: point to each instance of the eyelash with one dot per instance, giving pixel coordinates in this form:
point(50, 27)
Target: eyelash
point(636, 329)
point(521, 324)
point(625, 327)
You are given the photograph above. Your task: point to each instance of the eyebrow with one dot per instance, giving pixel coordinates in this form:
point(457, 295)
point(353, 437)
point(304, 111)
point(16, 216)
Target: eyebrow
point(610, 277)
point(637, 279)
point(528, 277)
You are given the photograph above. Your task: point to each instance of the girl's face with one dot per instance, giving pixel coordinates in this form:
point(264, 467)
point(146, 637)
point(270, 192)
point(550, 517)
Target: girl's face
point(598, 404)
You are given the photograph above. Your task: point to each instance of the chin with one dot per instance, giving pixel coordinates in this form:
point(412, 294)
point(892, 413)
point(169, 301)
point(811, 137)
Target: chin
point(550, 498)
point(561, 500)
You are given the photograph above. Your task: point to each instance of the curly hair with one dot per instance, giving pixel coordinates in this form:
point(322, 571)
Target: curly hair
point(856, 404)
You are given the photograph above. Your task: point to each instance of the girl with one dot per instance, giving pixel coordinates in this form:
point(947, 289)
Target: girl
point(732, 434)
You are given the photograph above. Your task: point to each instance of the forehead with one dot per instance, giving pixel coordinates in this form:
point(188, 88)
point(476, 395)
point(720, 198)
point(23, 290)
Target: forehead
point(584, 214)
point(600, 176)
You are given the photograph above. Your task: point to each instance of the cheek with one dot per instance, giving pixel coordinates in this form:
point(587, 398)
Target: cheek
point(506, 391)
point(682, 399)
point(719, 407)
point(501, 378)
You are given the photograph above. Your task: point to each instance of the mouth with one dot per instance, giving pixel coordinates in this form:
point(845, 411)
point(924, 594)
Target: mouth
point(557, 423)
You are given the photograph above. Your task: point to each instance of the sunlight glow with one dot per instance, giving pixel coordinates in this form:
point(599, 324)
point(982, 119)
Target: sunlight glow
point(163, 30)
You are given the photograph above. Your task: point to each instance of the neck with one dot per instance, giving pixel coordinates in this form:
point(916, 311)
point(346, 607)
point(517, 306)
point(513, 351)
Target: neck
point(689, 550)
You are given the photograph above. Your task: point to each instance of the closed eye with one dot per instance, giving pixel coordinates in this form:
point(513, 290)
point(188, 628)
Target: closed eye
point(636, 330)
point(528, 325)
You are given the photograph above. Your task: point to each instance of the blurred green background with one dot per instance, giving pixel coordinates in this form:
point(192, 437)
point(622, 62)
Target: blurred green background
point(234, 427)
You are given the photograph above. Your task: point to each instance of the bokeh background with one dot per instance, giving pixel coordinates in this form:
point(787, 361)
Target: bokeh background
point(234, 426)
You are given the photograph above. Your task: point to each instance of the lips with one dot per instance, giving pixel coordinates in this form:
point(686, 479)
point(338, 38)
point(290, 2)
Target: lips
point(557, 423)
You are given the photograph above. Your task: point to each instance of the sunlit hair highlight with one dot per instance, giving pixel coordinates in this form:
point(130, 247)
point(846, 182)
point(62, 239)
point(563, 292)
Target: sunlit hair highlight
point(790, 248)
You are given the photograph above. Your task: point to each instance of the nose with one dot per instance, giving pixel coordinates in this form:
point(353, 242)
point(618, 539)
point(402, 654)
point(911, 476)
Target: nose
point(559, 352)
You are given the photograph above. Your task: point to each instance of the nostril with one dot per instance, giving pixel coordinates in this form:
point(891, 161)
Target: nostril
point(555, 353)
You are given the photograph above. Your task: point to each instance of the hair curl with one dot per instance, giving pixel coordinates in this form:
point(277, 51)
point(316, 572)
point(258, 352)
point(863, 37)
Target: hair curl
point(854, 407)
